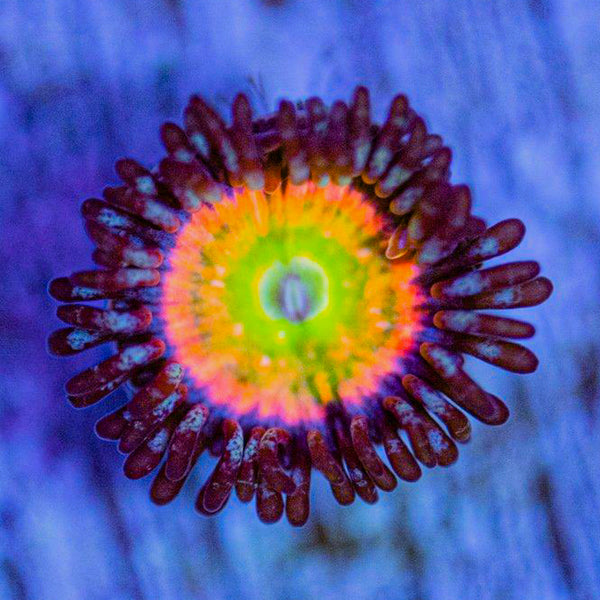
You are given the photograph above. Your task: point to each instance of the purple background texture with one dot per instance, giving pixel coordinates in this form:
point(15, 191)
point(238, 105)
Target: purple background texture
point(513, 86)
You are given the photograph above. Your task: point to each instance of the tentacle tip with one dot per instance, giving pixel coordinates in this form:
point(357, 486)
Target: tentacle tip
point(75, 401)
point(462, 436)
point(361, 89)
point(549, 287)
point(131, 473)
point(530, 367)
point(159, 501)
point(298, 523)
point(371, 499)
point(388, 486)
point(56, 288)
point(449, 457)
point(269, 519)
point(499, 416)
point(436, 292)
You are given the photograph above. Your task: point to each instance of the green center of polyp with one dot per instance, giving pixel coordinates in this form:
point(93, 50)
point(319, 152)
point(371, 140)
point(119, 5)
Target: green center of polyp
point(297, 291)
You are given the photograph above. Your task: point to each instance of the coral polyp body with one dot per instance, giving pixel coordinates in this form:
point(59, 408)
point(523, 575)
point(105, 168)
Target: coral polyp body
point(279, 305)
point(287, 293)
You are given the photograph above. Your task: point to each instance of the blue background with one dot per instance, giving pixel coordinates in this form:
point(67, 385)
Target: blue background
point(514, 88)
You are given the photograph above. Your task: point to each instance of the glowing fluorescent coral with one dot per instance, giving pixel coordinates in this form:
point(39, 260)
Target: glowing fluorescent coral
point(288, 292)
point(281, 305)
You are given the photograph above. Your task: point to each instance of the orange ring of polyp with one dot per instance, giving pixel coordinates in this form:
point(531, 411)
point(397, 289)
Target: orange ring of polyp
point(289, 388)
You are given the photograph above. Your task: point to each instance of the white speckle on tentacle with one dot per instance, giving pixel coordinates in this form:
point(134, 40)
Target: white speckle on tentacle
point(415, 229)
point(380, 159)
point(445, 361)
point(321, 126)
point(396, 177)
point(403, 408)
point(184, 155)
point(269, 443)
point(489, 350)
point(361, 154)
point(193, 421)
point(174, 371)
point(323, 181)
point(433, 400)
point(140, 258)
point(412, 195)
point(504, 297)
point(357, 478)
point(431, 252)
point(159, 442)
point(487, 246)
point(135, 276)
point(145, 185)
point(111, 219)
point(229, 156)
point(406, 414)
point(404, 203)
point(213, 195)
point(235, 448)
point(78, 338)
point(84, 292)
point(461, 320)
point(154, 211)
point(201, 144)
point(267, 493)
point(192, 198)
point(117, 321)
point(251, 448)
point(437, 441)
point(467, 285)
point(255, 180)
point(396, 445)
point(300, 169)
point(166, 406)
point(133, 356)
point(411, 418)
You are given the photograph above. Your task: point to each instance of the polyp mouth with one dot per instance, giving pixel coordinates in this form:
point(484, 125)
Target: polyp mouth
point(297, 291)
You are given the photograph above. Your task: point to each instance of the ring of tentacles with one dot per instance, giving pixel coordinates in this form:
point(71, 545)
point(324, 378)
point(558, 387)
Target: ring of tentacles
point(290, 292)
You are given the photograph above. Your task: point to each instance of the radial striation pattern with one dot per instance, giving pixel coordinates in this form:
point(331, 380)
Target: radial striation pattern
point(287, 293)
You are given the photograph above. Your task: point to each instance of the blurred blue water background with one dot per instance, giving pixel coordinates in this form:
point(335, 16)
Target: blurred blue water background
point(514, 87)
